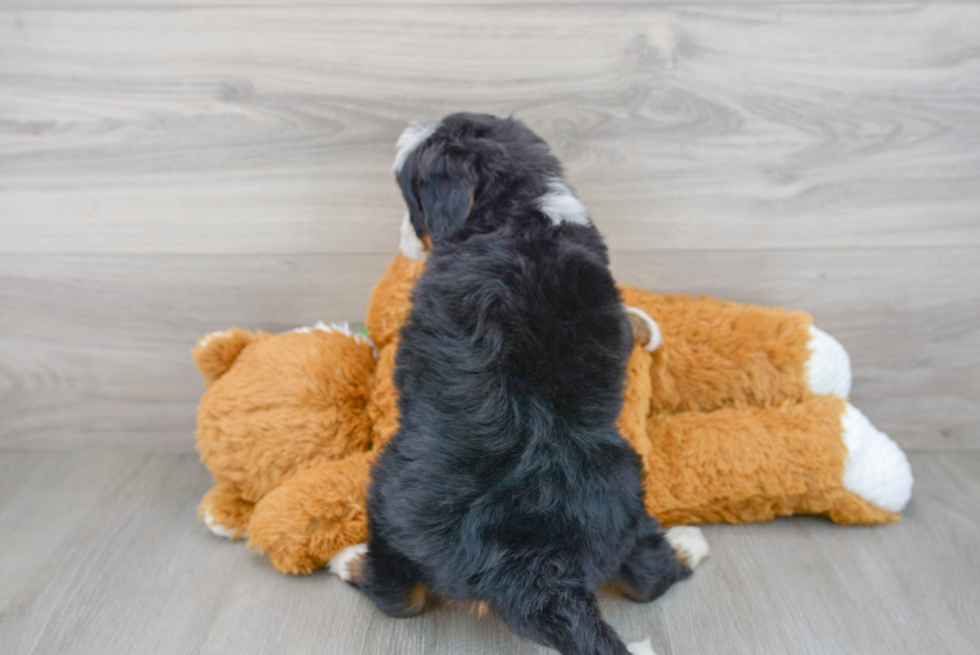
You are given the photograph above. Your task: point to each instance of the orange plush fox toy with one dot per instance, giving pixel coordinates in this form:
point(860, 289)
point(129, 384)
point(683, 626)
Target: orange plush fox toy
point(740, 415)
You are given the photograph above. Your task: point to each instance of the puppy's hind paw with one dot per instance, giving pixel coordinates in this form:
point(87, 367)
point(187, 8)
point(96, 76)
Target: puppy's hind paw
point(689, 544)
point(641, 648)
point(346, 564)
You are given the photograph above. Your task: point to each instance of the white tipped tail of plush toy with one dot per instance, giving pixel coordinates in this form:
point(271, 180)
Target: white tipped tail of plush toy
point(876, 469)
point(828, 370)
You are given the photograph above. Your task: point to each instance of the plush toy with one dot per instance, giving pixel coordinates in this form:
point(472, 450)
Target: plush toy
point(739, 415)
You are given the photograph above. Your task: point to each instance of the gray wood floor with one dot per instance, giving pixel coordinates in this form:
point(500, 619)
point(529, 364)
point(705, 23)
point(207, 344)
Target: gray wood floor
point(101, 553)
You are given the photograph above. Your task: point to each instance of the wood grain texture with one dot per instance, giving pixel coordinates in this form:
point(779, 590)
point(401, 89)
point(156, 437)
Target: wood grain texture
point(94, 350)
point(241, 130)
point(178, 4)
point(102, 554)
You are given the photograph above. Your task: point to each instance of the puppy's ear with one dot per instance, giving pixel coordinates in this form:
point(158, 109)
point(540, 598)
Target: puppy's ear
point(446, 202)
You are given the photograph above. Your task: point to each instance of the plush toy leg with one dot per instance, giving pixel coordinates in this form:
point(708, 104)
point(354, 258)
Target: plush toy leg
point(224, 511)
point(745, 464)
point(720, 354)
point(314, 515)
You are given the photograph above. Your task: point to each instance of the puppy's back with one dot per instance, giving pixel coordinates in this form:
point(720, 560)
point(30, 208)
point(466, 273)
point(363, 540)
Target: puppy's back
point(529, 315)
point(510, 373)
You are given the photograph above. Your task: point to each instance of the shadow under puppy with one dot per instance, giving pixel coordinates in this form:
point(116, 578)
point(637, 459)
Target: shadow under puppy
point(507, 482)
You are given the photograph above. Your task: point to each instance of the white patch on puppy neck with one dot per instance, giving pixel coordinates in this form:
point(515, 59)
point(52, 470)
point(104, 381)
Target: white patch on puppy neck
point(410, 139)
point(561, 205)
point(410, 244)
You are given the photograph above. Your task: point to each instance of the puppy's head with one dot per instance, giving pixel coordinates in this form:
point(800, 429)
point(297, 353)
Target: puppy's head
point(477, 171)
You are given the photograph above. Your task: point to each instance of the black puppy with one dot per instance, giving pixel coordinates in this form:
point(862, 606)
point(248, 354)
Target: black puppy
point(507, 481)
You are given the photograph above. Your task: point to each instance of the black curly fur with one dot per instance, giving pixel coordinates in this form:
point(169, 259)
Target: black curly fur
point(507, 481)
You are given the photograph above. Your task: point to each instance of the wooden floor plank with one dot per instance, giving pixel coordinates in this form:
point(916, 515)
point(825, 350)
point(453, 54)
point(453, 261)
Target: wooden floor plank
point(113, 560)
point(251, 130)
point(135, 577)
point(44, 502)
point(46, 5)
point(94, 350)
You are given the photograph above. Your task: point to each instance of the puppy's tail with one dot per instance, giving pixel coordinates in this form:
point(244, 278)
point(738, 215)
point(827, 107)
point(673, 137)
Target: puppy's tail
point(567, 620)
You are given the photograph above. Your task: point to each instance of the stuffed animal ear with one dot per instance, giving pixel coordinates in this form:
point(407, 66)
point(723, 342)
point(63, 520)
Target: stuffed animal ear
point(446, 202)
point(216, 352)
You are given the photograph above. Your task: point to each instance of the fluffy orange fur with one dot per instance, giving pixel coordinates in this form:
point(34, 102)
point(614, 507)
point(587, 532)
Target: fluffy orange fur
point(720, 414)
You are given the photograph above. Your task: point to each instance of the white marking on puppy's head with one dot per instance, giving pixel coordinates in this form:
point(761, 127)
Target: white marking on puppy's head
point(410, 244)
point(561, 206)
point(410, 139)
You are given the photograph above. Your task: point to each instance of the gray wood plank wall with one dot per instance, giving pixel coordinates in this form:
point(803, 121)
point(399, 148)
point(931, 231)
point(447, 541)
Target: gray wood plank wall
point(168, 170)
